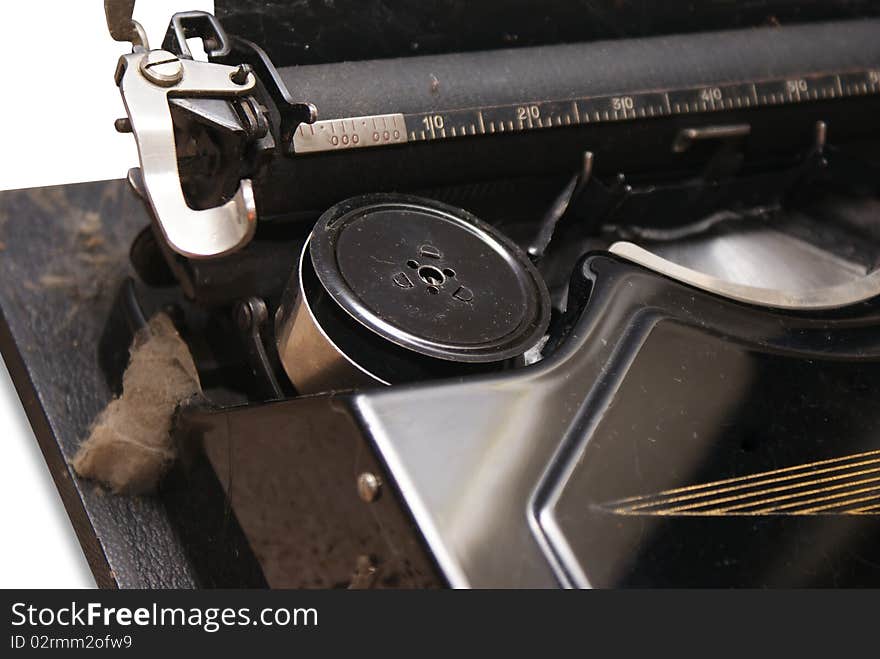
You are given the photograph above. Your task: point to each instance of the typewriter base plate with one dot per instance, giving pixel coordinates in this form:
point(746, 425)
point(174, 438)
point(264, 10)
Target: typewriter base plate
point(66, 247)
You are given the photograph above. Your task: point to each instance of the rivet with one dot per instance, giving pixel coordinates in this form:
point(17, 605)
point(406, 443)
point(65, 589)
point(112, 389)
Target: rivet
point(369, 486)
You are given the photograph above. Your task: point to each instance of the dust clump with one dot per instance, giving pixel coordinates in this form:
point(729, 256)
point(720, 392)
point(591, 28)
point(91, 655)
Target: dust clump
point(57, 281)
point(80, 284)
point(89, 230)
point(129, 448)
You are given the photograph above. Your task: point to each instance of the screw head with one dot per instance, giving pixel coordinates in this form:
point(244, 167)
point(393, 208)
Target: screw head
point(162, 68)
point(369, 485)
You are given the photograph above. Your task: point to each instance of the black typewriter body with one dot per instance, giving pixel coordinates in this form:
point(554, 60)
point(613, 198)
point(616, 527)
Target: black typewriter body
point(522, 295)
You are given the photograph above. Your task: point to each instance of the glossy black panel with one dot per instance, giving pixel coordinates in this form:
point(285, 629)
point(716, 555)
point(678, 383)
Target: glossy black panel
point(510, 472)
point(720, 464)
point(290, 470)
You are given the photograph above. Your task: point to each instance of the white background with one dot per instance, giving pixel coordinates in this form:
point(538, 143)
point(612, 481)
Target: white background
point(56, 126)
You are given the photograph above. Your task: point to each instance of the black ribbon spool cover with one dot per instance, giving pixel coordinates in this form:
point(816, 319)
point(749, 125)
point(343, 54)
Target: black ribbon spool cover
point(393, 288)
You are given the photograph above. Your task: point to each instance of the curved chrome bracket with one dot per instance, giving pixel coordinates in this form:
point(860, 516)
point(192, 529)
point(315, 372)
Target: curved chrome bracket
point(830, 297)
point(194, 233)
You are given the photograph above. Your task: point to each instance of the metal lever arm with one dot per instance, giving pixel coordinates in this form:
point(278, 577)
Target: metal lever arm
point(121, 25)
point(193, 233)
point(831, 297)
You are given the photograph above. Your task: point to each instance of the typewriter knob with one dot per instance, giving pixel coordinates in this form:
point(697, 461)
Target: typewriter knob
point(394, 288)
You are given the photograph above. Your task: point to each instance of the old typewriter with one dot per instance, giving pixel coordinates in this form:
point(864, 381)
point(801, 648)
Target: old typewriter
point(513, 294)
